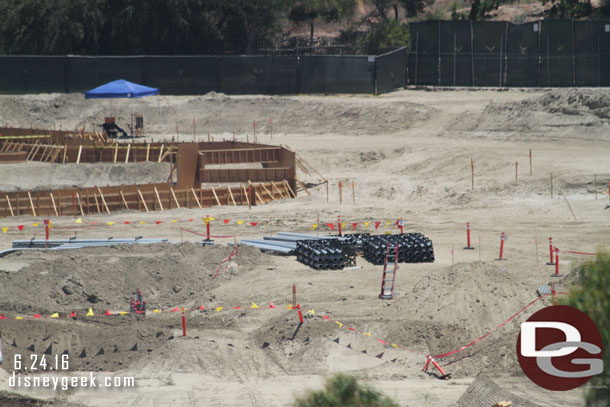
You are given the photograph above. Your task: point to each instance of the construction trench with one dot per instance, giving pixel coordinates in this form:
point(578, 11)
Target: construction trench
point(242, 347)
point(275, 179)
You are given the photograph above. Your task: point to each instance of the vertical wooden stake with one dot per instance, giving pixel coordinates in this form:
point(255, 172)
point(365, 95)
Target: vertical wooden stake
point(53, 202)
point(158, 198)
point(174, 195)
point(340, 192)
point(31, 203)
point(161, 153)
point(142, 198)
point(127, 154)
point(103, 200)
point(9, 204)
point(472, 173)
point(147, 151)
point(80, 150)
point(116, 152)
point(294, 296)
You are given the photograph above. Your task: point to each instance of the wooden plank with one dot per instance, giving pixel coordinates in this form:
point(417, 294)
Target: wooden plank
point(9, 205)
point(142, 198)
point(196, 199)
point(63, 160)
point(216, 196)
point(231, 195)
point(31, 151)
point(161, 153)
point(302, 185)
point(80, 150)
point(289, 188)
point(116, 152)
point(80, 204)
point(259, 197)
point(246, 194)
point(123, 198)
point(158, 198)
point(53, 202)
point(31, 203)
point(267, 191)
point(127, 154)
point(174, 195)
point(277, 190)
point(169, 150)
point(147, 151)
point(97, 204)
point(103, 200)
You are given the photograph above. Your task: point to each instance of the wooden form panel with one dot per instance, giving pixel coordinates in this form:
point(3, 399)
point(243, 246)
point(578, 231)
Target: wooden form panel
point(73, 153)
point(245, 175)
point(13, 157)
point(242, 155)
point(148, 197)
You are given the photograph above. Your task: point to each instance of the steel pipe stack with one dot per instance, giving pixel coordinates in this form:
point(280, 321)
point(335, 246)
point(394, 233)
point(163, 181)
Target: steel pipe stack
point(413, 248)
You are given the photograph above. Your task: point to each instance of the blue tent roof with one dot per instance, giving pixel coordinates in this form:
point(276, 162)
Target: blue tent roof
point(121, 89)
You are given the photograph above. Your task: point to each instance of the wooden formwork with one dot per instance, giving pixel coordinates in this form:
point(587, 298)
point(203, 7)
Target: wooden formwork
point(147, 197)
point(81, 153)
point(32, 135)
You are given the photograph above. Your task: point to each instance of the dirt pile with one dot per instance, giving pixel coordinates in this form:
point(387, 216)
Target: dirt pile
point(105, 278)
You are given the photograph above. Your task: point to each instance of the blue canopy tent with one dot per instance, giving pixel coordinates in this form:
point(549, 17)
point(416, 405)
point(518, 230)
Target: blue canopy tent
point(122, 89)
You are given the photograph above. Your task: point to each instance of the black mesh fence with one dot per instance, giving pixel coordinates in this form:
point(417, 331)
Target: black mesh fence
point(391, 70)
point(425, 53)
point(456, 52)
point(522, 54)
point(33, 74)
point(182, 75)
point(258, 74)
point(334, 74)
point(556, 53)
point(489, 53)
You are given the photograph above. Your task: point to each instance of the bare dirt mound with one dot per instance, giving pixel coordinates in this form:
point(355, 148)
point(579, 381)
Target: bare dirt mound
point(8, 399)
point(217, 113)
point(560, 111)
point(484, 392)
point(102, 278)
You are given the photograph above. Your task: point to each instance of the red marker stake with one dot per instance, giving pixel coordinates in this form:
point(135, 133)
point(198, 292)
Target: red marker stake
point(550, 263)
point(183, 324)
point(468, 246)
point(300, 314)
point(502, 237)
point(207, 226)
point(556, 264)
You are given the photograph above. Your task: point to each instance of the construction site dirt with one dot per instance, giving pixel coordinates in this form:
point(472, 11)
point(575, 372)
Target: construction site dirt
point(436, 159)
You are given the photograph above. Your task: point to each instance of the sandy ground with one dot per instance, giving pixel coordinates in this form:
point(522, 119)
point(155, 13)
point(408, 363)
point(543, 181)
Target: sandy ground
point(409, 155)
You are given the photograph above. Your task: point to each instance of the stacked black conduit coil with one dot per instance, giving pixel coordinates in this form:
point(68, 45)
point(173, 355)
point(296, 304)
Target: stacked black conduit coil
point(413, 248)
point(323, 254)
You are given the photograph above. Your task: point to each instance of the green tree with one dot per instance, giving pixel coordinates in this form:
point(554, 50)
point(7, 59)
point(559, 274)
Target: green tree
point(569, 8)
point(383, 37)
point(412, 7)
point(480, 9)
point(593, 298)
point(344, 391)
point(310, 10)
